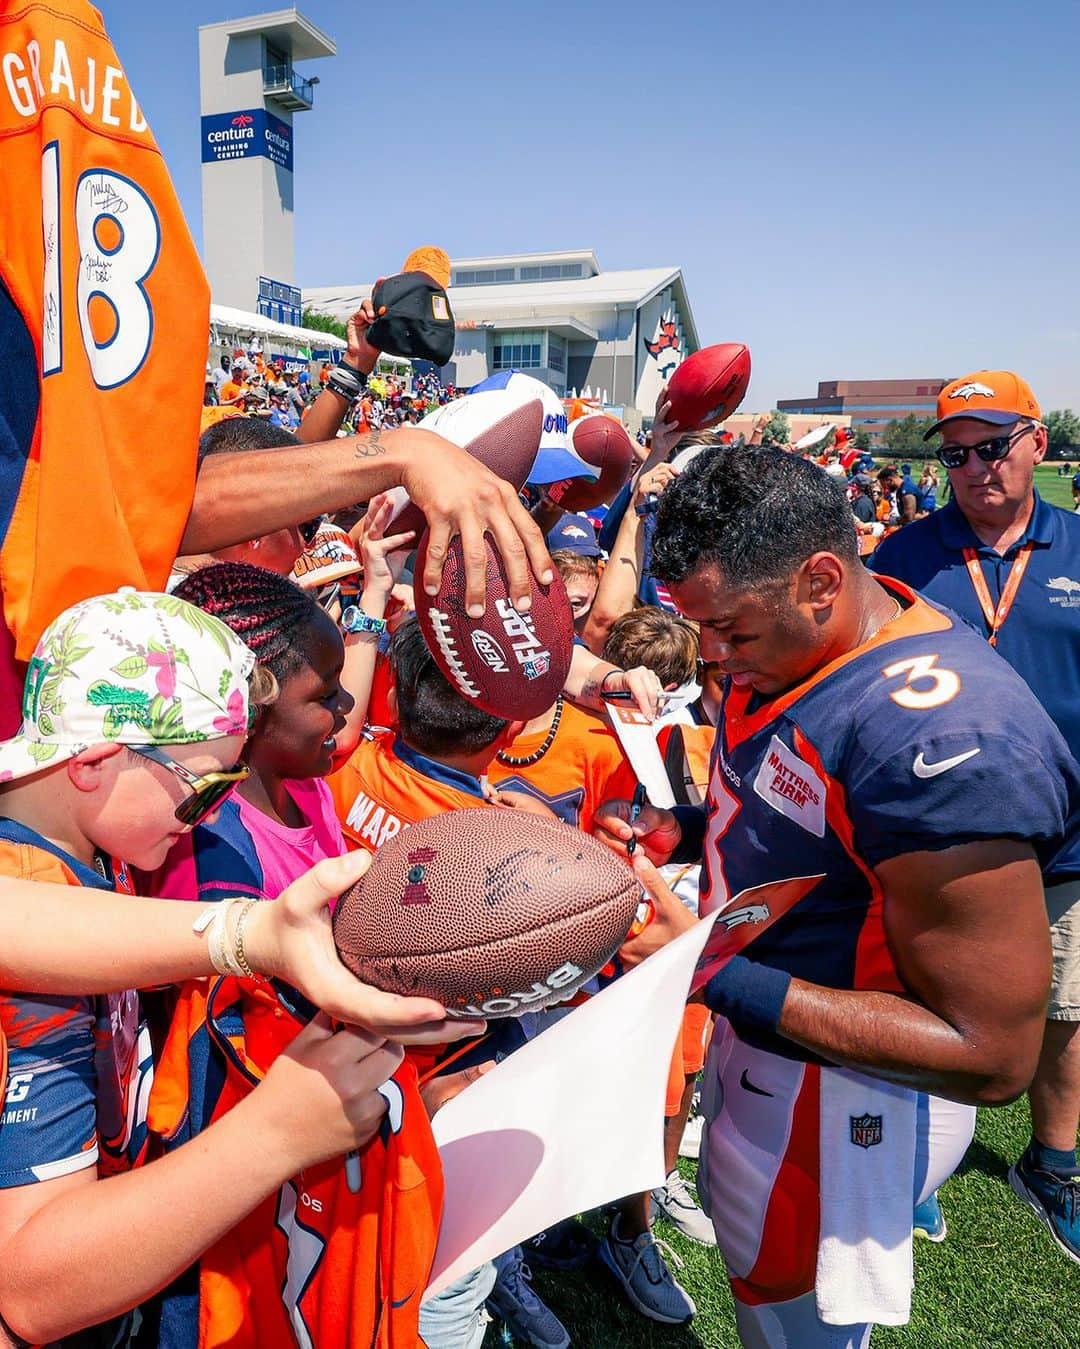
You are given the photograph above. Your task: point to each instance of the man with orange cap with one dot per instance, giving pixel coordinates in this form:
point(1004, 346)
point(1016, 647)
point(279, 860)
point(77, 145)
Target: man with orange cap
point(1009, 563)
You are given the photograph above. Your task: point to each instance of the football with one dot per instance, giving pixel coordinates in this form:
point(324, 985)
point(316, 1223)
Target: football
point(512, 665)
point(603, 442)
point(500, 429)
point(555, 460)
point(491, 912)
point(709, 385)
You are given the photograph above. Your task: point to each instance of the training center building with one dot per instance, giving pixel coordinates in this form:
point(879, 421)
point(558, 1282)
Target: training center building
point(616, 335)
point(871, 403)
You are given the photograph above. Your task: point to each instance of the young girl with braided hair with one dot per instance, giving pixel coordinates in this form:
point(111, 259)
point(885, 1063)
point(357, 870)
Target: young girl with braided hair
point(367, 1223)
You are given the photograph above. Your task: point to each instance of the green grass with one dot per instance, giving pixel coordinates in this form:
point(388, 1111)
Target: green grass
point(1056, 490)
point(997, 1282)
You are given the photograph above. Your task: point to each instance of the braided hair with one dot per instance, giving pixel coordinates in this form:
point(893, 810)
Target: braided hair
point(267, 612)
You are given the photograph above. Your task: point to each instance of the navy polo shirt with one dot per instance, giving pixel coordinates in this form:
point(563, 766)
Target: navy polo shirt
point(1040, 637)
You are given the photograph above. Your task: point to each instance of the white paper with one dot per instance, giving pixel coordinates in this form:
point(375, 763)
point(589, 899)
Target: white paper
point(571, 1121)
point(637, 735)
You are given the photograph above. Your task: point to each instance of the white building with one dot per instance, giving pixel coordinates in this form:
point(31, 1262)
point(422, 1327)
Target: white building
point(562, 319)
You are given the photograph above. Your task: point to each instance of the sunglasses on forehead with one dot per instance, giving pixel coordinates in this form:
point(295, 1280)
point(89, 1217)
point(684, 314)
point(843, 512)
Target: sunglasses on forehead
point(207, 790)
point(989, 451)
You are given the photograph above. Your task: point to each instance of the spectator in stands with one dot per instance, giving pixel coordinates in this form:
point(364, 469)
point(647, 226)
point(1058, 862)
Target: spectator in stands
point(928, 486)
point(234, 391)
point(890, 479)
point(221, 374)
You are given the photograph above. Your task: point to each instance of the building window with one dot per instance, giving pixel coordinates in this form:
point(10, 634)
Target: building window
point(530, 273)
point(517, 351)
point(484, 276)
point(556, 357)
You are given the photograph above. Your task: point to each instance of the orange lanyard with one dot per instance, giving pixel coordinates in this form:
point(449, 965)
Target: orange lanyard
point(996, 617)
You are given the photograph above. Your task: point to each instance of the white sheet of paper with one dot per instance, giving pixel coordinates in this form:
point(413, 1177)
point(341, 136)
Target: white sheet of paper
point(637, 735)
point(571, 1121)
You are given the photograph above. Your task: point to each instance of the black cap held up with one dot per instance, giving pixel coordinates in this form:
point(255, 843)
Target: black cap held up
point(413, 318)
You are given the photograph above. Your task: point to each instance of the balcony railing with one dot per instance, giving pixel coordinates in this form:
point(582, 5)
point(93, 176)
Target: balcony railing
point(284, 86)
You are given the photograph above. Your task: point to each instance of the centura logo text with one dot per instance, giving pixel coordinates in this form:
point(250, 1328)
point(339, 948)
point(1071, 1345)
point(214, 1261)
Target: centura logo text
point(533, 657)
point(489, 651)
point(510, 1003)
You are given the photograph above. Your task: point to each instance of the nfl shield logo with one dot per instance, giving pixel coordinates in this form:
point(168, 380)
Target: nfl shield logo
point(865, 1130)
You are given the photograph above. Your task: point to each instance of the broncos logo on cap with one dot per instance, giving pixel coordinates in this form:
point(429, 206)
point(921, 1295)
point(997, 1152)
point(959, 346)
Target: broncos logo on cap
point(969, 390)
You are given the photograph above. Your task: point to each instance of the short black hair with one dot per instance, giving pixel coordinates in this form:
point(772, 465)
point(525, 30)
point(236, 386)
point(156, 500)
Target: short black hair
point(434, 717)
point(757, 514)
point(233, 434)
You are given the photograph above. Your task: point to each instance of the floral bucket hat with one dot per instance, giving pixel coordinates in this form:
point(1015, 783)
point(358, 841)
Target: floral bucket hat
point(132, 668)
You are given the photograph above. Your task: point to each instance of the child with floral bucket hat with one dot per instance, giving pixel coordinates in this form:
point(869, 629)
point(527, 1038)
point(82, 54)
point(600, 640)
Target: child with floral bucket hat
point(135, 713)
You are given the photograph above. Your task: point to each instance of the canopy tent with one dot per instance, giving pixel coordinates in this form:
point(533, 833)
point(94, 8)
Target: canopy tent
point(227, 325)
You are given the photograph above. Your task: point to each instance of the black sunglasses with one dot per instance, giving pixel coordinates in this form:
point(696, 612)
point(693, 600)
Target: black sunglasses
point(989, 451)
point(207, 790)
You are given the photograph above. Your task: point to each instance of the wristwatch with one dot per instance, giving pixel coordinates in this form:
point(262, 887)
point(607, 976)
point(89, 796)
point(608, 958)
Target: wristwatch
point(355, 620)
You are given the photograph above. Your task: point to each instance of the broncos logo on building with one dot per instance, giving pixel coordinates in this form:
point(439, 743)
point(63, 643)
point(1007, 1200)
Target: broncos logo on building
point(665, 348)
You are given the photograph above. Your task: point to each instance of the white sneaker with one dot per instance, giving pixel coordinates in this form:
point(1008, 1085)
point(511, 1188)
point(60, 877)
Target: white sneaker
point(677, 1203)
point(690, 1146)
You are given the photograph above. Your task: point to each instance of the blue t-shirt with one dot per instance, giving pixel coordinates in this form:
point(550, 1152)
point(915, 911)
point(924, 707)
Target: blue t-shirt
point(1040, 637)
point(909, 487)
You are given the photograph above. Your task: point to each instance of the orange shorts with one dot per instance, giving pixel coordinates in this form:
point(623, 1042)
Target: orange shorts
point(689, 1054)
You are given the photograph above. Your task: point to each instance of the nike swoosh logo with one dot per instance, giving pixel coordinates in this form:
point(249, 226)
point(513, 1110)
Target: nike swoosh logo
point(922, 769)
point(745, 1082)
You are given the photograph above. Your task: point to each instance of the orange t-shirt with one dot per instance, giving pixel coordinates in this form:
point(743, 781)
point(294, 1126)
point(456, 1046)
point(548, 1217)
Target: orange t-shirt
point(232, 389)
point(385, 786)
point(584, 767)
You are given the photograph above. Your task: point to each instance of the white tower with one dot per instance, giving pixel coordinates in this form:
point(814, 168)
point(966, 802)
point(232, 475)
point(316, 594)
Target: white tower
point(249, 91)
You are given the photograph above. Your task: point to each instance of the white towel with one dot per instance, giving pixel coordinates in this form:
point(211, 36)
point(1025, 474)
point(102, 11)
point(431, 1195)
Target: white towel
point(864, 1270)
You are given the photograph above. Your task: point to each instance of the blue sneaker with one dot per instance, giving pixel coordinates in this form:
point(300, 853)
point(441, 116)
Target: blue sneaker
point(1054, 1198)
point(928, 1220)
point(513, 1302)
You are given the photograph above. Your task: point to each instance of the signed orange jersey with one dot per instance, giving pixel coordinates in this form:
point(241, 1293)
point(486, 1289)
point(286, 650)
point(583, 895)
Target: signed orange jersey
point(104, 313)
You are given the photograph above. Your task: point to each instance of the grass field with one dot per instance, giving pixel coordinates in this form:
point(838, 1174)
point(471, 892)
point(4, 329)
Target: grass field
point(1055, 489)
point(997, 1282)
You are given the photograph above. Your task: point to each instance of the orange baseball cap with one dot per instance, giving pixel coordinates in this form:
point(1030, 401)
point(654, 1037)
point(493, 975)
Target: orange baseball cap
point(995, 396)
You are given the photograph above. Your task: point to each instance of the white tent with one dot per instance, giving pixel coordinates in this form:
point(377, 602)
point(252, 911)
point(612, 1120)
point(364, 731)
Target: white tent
point(235, 327)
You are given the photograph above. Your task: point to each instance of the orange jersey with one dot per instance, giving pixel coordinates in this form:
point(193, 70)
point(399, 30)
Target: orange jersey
point(583, 768)
point(104, 312)
point(314, 1266)
point(686, 747)
point(385, 786)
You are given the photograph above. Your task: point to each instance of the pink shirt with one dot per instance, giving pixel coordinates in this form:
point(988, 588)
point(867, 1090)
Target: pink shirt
point(285, 854)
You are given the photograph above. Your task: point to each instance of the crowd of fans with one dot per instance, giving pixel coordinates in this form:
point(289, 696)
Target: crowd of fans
point(355, 734)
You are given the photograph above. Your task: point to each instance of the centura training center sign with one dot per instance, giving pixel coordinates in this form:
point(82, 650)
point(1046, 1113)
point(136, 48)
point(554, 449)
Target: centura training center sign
point(240, 135)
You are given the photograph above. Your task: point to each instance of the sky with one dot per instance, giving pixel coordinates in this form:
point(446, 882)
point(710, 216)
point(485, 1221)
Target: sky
point(855, 190)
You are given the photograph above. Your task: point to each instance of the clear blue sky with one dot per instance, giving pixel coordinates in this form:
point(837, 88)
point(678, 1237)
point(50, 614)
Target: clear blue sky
point(855, 190)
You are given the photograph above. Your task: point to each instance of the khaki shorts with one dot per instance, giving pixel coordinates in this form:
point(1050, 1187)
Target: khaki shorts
point(1063, 909)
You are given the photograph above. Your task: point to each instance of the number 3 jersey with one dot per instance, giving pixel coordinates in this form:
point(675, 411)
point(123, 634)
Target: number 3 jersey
point(918, 740)
point(315, 1265)
point(103, 322)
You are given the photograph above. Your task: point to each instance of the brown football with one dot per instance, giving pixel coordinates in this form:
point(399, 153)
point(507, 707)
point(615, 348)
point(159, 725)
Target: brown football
point(491, 911)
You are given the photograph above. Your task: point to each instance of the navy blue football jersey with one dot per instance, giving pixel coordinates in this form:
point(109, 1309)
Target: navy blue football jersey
point(920, 739)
